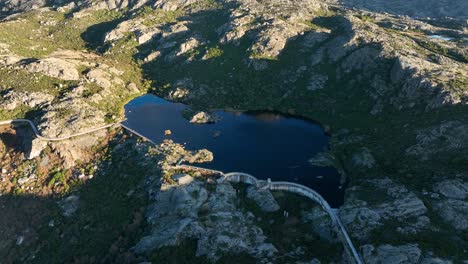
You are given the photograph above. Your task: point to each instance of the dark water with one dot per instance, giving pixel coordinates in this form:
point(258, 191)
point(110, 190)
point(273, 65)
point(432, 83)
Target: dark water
point(266, 145)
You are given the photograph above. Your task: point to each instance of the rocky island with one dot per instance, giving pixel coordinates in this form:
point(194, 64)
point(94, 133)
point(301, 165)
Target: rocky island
point(78, 186)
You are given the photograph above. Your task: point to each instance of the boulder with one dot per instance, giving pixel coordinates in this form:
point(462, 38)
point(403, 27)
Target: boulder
point(183, 179)
point(37, 146)
point(263, 198)
point(203, 118)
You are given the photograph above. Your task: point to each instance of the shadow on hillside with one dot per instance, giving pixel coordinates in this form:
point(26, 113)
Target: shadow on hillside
point(94, 35)
point(110, 215)
point(230, 76)
point(417, 8)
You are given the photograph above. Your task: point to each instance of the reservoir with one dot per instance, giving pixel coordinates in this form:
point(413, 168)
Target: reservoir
point(264, 144)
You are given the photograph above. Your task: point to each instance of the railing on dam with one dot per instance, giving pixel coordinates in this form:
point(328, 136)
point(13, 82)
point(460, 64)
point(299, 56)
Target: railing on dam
point(301, 190)
point(231, 177)
point(241, 177)
point(304, 191)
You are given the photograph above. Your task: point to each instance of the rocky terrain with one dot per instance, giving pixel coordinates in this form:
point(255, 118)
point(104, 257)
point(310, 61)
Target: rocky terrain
point(389, 81)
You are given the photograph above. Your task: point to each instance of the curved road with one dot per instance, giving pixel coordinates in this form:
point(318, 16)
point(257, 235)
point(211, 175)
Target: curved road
point(38, 135)
point(233, 176)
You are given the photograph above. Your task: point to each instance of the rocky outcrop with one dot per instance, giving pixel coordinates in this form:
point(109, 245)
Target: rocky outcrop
point(54, 67)
point(9, 7)
point(321, 223)
point(188, 210)
point(203, 118)
point(263, 198)
point(69, 205)
point(419, 8)
point(453, 189)
point(445, 137)
point(404, 254)
point(13, 99)
point(37, 146)
point(398, 204)
point(453, 212)
point(364, 159)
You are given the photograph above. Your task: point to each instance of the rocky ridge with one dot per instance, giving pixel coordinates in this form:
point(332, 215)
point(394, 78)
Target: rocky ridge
point(396, 95)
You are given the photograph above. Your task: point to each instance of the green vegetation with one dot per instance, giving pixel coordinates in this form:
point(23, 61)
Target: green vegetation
point(153, 17)
point(324, 13)
point(311, 25)
point(260, 56)
point(29, 36)
point(366, 18)
point(59, 178)
point(91, 89)
point(344, 103)
point(18, 112)
point(213, 52)
point(109, 216)
point(206, 5)
point(24, 81)
point(439, 49)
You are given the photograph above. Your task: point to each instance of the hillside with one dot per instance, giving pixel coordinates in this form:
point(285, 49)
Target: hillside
point(389, 82)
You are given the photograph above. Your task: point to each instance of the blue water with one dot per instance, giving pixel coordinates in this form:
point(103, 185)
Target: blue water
point(264, 144)
point(441, 37)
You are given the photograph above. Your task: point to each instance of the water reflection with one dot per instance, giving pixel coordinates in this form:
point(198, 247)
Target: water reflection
point(264, 144)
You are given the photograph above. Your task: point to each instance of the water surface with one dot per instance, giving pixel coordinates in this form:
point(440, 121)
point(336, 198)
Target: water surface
point(264, 144)
point(442, 37)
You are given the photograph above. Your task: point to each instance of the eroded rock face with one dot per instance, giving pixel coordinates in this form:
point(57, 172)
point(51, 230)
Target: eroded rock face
point(188, 210)
point(398, 74)
point(175, 210)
